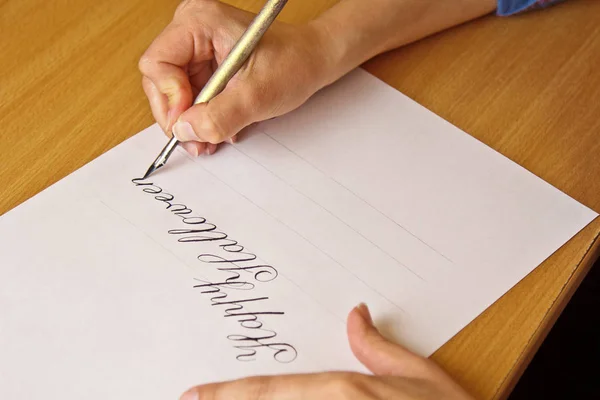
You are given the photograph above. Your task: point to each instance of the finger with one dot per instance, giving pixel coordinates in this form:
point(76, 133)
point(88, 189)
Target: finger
point(211, 148)
point(282, 387)
point(378, 354)
point(219, 119)
point(158, 104)
point(194, 148)
point(166, 61)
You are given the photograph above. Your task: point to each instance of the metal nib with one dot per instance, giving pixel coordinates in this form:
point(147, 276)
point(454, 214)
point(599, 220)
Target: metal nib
point(152, 168)
point(162, 158)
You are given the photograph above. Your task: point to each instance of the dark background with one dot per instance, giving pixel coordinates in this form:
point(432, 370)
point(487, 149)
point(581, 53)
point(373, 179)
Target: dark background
point(567, 365)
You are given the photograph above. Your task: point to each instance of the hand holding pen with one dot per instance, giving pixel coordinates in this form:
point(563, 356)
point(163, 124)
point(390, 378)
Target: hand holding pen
point(280, 74)
point(289, 64)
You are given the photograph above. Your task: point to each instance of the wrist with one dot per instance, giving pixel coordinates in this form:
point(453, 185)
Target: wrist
point(347, 37)
point(325, 54)
point(354, 31)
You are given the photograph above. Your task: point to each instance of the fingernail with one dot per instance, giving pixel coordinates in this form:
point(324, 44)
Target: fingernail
point(184, 132)
point(190, 395)
point(364, 312)
point(191, 148)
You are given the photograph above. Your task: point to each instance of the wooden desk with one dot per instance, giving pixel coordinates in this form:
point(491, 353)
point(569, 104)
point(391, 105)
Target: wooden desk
point(527, 86)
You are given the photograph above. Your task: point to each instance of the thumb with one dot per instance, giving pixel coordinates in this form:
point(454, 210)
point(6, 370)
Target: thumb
point(381, 356)
point(218, 120)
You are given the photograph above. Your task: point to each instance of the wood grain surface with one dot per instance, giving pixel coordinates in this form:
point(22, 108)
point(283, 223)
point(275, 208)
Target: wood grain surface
point(528, 86)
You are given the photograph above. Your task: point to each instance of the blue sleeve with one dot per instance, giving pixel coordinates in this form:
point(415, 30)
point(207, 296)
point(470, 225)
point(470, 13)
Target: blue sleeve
point(510, 7)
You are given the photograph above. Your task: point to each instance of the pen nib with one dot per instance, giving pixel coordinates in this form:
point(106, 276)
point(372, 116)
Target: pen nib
point(152, 168)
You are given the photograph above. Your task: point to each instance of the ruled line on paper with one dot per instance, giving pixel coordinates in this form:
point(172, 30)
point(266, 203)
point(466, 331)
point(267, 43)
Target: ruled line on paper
point(359, 197)
point(303, 237)
point(400, 263)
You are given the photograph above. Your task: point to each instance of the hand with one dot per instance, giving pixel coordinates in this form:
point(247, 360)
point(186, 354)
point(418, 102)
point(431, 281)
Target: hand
point(399, 374)
point(286, 68)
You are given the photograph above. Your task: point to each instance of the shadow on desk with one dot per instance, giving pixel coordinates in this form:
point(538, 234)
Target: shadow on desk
point(567, 364)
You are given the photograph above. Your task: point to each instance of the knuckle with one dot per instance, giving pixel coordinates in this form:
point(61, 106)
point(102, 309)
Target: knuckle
point(144, 64)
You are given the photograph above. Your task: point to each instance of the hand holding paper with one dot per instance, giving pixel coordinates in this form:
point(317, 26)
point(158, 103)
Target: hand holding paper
point(397, 374)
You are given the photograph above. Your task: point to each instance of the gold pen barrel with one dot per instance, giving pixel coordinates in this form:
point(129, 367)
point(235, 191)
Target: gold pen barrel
point(241, 51)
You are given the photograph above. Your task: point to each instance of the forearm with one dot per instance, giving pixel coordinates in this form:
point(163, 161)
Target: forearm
point(353, 31)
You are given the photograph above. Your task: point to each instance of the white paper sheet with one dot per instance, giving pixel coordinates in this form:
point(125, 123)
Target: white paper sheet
point(361, 195)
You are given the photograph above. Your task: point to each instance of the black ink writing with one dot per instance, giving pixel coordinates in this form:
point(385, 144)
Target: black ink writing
point(240, 271)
